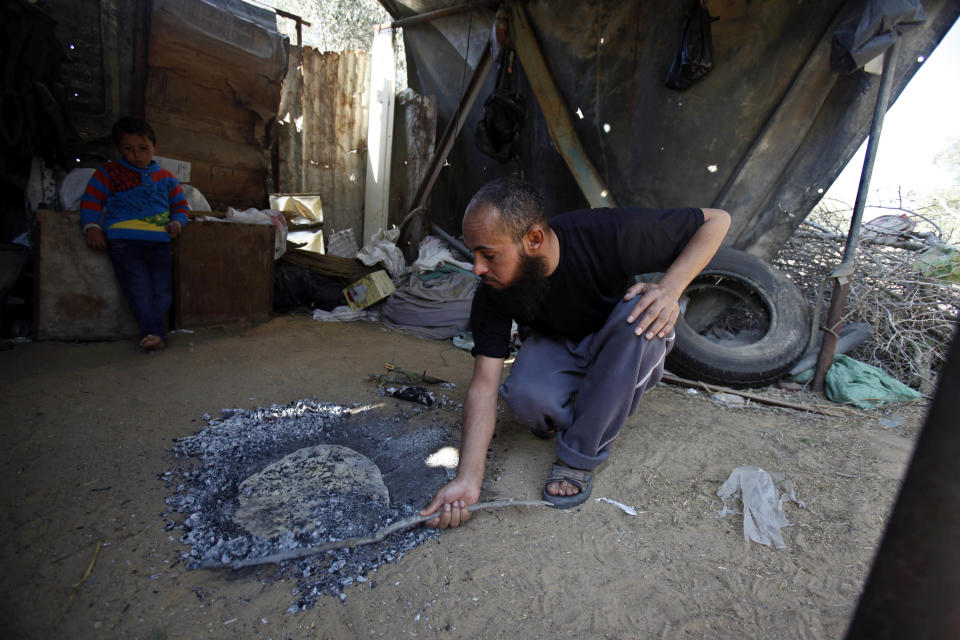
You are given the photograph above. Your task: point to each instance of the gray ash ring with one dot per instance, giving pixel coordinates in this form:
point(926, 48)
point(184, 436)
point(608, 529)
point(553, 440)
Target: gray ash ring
point(240, 443)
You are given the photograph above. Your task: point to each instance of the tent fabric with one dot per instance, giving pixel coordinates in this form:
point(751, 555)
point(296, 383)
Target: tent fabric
point(760, 135)
point(868, 28)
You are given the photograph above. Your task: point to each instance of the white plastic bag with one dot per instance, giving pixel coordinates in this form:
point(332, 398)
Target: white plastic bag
point(345, 314)
point(434, 253)
point(382, 247)
point(265, 216)
point(195, 199)
point(73, 186)
point(763, 515)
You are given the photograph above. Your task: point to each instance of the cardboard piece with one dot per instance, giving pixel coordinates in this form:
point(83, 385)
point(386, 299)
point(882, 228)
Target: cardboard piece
point(368, 290)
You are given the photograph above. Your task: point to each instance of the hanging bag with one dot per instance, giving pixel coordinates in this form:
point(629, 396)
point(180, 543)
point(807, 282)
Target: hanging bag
point(504, 111)
point(694, 58)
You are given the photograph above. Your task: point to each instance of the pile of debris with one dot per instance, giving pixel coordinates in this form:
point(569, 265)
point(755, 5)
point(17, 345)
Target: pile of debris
point(905, 286)
point(239, 444)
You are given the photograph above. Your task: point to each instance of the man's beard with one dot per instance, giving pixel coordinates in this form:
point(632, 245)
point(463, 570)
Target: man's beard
point(524, 298)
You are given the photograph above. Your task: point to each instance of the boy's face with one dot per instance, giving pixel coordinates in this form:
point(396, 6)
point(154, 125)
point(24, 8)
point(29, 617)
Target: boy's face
point(136, 149)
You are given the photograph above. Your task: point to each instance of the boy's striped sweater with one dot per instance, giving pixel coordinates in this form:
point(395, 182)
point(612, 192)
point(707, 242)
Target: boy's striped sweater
point(131, 203)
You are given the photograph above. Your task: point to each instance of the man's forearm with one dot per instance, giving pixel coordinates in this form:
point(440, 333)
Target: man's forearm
point(479, 419)
point(698, 252)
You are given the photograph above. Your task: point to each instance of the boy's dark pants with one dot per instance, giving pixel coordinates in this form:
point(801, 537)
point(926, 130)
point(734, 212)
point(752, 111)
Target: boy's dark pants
point(145, 272)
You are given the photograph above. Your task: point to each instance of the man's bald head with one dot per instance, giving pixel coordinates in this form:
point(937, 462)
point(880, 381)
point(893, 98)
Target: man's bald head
point(517, 202)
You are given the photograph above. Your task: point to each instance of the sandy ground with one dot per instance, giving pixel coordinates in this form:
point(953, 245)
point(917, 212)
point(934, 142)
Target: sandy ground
point(87, 430)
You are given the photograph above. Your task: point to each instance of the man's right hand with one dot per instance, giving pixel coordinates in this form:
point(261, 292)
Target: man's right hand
point(451, 502)
point(95, 239)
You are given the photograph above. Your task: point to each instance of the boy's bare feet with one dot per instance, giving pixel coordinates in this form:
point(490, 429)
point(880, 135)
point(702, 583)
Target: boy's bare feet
point(151, 342)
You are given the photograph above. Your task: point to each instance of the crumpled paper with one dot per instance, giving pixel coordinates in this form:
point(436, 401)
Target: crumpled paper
point(763, 515)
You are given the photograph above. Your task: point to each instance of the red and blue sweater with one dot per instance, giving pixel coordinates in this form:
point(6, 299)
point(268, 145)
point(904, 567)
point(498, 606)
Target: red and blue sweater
point(131, 203)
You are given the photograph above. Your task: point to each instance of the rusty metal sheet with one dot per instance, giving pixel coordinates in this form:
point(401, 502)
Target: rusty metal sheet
point(223, 274)
point(415, 127)
point(77, 294)
point(323, 134)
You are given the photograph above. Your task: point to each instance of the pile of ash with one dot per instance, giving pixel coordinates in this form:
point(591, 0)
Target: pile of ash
point(242, 443)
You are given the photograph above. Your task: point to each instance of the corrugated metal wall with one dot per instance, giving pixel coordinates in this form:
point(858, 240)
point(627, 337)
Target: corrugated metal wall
point(323, 133)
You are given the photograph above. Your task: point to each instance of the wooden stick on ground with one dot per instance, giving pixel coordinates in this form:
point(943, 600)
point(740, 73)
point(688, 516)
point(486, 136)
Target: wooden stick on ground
point(833, 412)
point(377, 536)
point(76, 587)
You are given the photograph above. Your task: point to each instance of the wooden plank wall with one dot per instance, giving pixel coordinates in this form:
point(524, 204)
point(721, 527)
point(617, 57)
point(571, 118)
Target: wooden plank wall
point(213, 90)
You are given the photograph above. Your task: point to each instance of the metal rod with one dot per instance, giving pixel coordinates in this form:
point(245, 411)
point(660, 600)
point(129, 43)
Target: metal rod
point(433, 15)
point(453, 242)
point(292, 16)
point(828, 348)
point(879, 111)
point(845, 270)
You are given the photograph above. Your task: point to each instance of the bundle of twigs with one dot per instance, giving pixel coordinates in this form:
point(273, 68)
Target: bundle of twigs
point(347, 269)
point(913, 316)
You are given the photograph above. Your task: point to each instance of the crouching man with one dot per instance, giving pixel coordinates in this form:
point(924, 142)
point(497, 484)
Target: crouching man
point(593, 339)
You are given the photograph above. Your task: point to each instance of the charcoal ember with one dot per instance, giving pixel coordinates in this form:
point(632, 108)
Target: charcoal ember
point(412, 394)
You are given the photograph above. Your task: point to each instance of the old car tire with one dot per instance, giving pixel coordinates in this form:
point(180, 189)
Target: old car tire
point(745, 323)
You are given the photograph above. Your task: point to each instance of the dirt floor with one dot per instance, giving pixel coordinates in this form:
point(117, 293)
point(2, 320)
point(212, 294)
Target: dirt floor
point(88, 428)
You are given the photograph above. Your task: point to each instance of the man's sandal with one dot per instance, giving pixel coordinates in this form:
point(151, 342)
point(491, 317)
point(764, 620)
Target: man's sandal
point(580, 478)
point(544, 434)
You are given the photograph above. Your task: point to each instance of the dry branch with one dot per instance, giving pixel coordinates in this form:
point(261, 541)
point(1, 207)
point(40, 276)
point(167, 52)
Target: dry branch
point(913, 315)
point(833, 412)
point(376, 536)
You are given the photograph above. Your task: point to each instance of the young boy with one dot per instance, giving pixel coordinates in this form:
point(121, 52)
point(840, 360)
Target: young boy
point(132, 208)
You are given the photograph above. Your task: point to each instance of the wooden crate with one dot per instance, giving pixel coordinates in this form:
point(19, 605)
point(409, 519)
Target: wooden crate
point(77, 294)
point(223, 273)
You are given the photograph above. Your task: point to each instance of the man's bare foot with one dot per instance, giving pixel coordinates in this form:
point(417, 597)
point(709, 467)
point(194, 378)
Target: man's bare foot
point(567, 487)
point(151, 342)
point(562, 488)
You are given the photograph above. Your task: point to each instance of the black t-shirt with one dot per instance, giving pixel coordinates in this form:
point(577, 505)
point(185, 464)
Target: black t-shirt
point(601, 250)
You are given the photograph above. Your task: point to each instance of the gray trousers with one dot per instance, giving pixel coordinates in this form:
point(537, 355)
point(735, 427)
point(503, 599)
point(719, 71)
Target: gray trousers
point(586, 389)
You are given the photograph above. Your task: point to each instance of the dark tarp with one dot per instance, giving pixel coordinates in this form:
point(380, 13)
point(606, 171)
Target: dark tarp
point(868, 28)
point(761, 135)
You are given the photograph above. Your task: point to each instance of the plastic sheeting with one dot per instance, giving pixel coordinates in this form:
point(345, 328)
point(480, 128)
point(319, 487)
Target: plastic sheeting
point(761, 135)
point(868, 28)
point(860, 384)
